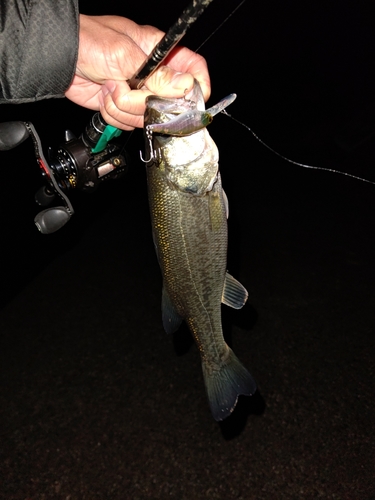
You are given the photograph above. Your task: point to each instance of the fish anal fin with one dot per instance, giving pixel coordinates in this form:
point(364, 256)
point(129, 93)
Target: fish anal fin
point(234, 294)
point(171, 319)
point(223, 386)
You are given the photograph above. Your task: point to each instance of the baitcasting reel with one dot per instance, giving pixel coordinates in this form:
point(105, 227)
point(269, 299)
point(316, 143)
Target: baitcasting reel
point(80, 163)
point(85, 162)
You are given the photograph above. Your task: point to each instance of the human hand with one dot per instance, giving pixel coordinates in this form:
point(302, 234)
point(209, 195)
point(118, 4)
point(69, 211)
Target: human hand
point(111, 50)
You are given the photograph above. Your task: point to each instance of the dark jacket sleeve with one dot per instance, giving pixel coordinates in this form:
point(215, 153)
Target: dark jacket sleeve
point(38, 48)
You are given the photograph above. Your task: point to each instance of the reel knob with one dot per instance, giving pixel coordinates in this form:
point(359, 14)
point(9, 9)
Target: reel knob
point(12, 134)
point(51, 219)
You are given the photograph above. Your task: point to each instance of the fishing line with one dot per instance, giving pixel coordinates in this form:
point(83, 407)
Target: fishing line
point(196, 50)
point(220, 25)
point(295, 162)
point(303, 165)
point(127, 140)
point(312, 167)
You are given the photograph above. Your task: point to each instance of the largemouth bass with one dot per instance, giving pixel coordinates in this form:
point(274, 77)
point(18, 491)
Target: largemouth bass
point(189, 222)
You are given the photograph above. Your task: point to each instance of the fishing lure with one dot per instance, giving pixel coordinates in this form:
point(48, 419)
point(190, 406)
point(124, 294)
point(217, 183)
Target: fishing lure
point(186, 123)
point(190, 121)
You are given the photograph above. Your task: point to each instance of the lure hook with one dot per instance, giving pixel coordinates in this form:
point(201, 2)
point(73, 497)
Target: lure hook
point(152, 152)
point(146, 161)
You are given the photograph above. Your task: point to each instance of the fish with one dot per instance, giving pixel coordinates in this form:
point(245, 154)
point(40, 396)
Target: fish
point(189, 211)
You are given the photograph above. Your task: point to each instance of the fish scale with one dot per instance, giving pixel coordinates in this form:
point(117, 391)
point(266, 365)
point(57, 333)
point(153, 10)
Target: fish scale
point(189, 219)
point(196, 295)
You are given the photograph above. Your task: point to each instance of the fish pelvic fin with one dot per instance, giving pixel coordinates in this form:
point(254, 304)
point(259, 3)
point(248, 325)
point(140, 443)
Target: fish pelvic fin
point(171, 319)
point(223, 386)
point(234, 294)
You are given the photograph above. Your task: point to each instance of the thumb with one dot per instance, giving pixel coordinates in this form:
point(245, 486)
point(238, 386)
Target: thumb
point(167, 82)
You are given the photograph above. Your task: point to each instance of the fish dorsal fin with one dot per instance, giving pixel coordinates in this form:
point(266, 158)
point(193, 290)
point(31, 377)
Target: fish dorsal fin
point(234, 294)
point(171, 319)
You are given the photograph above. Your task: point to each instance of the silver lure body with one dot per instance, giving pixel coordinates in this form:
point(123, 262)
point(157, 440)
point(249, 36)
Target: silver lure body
point(189, 220)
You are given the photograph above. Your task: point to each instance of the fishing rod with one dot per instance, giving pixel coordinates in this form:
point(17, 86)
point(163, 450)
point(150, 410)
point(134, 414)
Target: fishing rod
point(103, 132)
point(83, 163)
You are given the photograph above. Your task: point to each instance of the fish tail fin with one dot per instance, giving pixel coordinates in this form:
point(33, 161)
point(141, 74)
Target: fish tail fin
point(223, 386)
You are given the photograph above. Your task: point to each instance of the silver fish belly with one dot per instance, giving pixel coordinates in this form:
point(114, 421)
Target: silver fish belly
point(189, 221)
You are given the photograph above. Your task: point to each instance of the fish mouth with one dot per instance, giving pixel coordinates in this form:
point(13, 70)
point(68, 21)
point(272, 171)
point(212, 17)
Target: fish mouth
point(163, 109)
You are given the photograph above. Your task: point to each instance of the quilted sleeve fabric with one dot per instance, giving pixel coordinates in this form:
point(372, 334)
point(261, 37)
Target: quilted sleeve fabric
point(38, 48)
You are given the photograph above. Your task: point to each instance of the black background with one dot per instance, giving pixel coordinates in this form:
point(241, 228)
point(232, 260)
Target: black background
point(96, 401)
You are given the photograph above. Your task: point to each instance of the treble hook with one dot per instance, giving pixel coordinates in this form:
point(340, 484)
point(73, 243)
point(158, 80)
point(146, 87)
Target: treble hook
point(152, 157)
point(152, 152)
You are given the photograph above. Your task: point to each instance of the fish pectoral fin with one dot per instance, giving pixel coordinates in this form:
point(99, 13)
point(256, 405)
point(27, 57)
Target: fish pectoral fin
point(214, 206)
point(234, 294)
point(171, 319)
point(223, 386)
point(226, 204)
